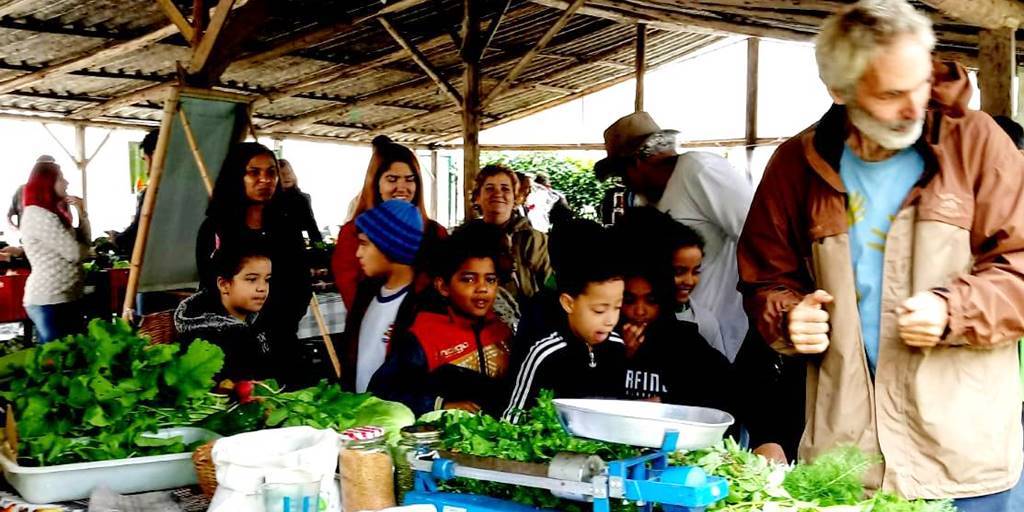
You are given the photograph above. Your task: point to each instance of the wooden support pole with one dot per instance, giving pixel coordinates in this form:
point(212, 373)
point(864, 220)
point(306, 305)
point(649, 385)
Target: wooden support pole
point(435, 184)
point(149, 202)
point(328, 344)
point(523, 63)
point(472, 107)
point(421, 60)
point(81, 161)
point(1020, 96)
point(997, 58)
point(753, 56)
point(196, 154)
point(640, 60)
point(200, 18)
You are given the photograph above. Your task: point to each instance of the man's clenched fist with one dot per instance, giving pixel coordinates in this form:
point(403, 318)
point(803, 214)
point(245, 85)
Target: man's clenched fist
point(923, 319)
point(808, 323)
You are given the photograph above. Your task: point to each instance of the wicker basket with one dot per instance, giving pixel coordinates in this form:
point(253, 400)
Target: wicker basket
point(202, 460)
point(159, 327)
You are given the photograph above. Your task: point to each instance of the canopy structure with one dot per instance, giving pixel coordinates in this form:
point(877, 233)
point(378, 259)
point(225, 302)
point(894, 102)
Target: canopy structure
point(348, 70)
point(425, 72)
point(342, 70)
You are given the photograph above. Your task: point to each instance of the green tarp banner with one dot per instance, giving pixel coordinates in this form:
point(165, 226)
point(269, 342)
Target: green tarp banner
point(180, 209)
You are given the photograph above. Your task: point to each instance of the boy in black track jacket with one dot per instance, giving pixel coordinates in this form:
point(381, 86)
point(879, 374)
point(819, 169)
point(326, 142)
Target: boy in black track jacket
point(580, 357)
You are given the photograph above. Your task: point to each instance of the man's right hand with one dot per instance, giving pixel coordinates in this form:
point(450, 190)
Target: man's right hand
point(808, 323)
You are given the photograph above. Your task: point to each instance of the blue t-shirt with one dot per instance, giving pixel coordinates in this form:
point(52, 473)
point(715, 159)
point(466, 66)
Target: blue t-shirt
point(875, 192)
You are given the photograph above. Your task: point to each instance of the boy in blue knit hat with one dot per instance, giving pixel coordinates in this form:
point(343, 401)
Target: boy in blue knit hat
point(389, 238)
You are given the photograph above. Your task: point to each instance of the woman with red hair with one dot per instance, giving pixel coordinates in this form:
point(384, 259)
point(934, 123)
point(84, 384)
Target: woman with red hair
point(393, 173)
point(55, 250)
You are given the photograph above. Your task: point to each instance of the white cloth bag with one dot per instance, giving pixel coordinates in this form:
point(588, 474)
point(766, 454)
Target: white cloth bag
point(246, 461)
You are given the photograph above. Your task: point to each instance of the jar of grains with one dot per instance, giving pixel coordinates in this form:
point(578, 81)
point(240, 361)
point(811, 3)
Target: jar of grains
point(367, 472)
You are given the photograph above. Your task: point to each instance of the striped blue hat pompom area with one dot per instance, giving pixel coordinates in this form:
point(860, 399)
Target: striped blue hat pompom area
point(395, 227)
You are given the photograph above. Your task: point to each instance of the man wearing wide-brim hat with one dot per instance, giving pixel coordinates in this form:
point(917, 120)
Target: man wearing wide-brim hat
point(699, 189)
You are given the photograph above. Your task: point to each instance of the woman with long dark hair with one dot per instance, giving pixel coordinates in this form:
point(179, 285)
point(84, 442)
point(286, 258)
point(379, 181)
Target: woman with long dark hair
point(393, 173)
point(55, 249)
point(244, 209)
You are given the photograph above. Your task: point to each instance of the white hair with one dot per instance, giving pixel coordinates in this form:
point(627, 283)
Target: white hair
point(850, 38)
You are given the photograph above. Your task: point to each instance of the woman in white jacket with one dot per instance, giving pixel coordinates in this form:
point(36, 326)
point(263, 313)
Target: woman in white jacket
point(55, 249)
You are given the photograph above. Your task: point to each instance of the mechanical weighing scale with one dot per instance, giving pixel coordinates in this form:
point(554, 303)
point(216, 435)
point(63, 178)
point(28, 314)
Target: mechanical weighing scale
point(646, 480)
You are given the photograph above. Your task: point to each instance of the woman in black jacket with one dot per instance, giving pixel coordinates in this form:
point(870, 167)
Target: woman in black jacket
point(245, 207)
point(297, 202)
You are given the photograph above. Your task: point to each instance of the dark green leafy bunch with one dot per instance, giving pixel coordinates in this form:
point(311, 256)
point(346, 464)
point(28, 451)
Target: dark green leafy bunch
point(747, 473)
point(92, 396)
point(536, 438)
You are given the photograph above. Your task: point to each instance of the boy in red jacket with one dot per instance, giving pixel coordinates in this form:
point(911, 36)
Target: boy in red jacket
point(455, 354)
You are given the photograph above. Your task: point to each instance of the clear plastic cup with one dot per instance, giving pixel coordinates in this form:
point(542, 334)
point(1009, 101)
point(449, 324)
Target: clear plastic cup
point(291, 497)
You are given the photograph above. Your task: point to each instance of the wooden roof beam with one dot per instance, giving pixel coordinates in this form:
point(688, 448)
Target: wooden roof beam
point(488, 36)
point(339, 72)
point(202, 52)
point(14, 6)
point(421, 60)
point(319, 35)
point(150, 92)
point(990, 14)
point(177, 18)
point(93, 58)
point(523, 63)
point(391, 93)
point(675, 21)
point(594, 59)
point(627, 47)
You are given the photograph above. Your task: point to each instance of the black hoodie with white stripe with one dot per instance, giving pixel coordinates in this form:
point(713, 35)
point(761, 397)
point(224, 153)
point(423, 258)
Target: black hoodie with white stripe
point(566, 365)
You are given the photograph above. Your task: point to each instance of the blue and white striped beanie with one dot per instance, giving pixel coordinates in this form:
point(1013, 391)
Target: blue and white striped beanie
point(395, 227)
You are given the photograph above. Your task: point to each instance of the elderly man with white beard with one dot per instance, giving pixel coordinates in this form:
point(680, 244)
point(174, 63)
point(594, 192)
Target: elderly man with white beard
point(886, 245)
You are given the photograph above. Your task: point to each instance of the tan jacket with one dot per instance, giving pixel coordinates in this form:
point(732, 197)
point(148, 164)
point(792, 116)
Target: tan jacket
point(947, 420)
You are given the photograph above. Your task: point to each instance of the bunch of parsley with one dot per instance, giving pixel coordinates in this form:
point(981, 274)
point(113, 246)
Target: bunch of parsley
point(93, 396)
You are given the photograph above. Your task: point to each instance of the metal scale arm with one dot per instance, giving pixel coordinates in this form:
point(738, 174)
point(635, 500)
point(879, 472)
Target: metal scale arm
point(646, 480)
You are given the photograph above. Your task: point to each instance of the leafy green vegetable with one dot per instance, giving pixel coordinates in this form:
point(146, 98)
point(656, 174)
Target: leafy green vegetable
point(755, 484)
point(748, 474)
point(834, 478)
point(93, 396)
point(888, 502)
point(192, 374)
point(322, 406)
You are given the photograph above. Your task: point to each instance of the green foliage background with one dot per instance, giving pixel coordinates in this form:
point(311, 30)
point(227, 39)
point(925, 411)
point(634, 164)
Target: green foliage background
point(571, 176)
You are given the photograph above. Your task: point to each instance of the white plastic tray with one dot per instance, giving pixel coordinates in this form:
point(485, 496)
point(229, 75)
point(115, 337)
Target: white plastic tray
point(76, 481)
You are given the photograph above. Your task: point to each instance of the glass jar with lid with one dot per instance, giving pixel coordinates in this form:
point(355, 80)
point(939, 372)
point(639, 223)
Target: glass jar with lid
point(367, 471)
point(416, 439)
